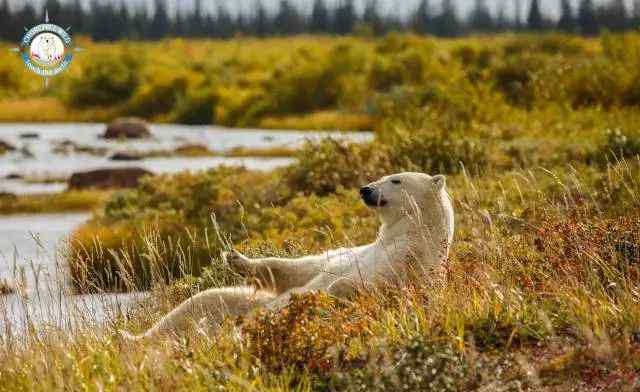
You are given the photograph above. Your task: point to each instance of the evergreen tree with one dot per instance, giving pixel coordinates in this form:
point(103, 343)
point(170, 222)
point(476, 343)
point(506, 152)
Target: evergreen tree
point(287, 20)
point(320, 20)
point(7, 27)
point(587, 22)
point(120, 24)
point(78, 22)
point(534, 20)
point(222, 25)
point(634, 21)
point(446, 24)
point(567, 21)
point(160, 24)
point(26, 18)
point(372, 18)
point(423, 19)
point(260, 23)
point(141, 23)
point(502, 23)
point(480, 18)
point(345, 18)
point(195, 26)
point(613, 15)
point(179, 27)
point(517, 7)
point(54, 9)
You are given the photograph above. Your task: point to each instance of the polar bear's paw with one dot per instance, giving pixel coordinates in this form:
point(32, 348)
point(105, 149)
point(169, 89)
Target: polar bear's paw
point(237, 262)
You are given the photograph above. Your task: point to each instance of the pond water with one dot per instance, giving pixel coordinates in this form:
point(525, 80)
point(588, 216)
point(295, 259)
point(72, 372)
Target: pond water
point(39, 158)
point(32, 246)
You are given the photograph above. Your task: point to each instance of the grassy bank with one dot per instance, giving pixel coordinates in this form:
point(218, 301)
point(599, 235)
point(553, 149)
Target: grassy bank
point(541, 295)
point(317, 82)
point(69, 201)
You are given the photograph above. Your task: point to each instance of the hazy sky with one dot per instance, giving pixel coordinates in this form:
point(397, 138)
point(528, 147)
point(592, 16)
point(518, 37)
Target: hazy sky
point(550, 7)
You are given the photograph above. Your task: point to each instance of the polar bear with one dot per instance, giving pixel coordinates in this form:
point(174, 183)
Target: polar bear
point(417, 225)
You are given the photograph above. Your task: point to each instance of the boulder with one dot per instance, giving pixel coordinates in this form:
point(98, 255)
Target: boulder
point(127, 177)
point(26, 153)
point(29, 135)
point(124, 156)
point(4, 146)
point(7, 287)
point(66, 147)
point(127, 128)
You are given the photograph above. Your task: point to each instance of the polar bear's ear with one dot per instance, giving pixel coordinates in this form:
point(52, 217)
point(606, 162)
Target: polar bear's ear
point(439, 181)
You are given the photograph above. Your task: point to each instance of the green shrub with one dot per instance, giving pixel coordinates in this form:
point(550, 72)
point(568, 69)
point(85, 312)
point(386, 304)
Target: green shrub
point(514, 78)
point(324, 167)
point(196, 107)
point(618, 145)
point(12, 83)
point(422, 365)
point(305, 335)
point(623, 145)
point(406, 67)
point(551, 44)
point(600, 82)
point(446, 107)
point(434, 151)
point(163, 229)
point(161, 92)
point(303, 85)
point(109, 79)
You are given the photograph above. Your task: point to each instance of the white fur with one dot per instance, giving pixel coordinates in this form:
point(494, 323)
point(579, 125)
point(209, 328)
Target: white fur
point(417, 224)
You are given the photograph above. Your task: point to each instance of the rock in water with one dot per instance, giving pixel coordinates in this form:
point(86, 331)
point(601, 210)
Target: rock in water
point(124, 156)
point(127, 128)
point(7, 287)
point(4, 146)
point(127, 177)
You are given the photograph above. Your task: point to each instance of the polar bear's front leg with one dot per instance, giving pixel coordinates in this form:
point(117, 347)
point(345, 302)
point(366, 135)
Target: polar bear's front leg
point(240, 263)
point(276, 273)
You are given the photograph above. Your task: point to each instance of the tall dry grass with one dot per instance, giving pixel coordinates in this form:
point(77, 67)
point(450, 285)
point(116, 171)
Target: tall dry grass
point(542, 294)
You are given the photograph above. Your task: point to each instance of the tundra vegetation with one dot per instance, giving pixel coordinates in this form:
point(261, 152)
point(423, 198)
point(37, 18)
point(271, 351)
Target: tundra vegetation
point(539, 139)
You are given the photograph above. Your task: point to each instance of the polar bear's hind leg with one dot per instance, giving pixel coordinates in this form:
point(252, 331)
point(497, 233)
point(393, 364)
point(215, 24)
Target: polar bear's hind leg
point(214, 304)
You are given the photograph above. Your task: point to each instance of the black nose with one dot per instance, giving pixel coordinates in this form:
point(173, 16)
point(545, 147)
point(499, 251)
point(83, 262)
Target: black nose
point(366, 191)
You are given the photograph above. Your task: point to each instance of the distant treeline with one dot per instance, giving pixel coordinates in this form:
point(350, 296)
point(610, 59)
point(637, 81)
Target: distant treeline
point(109, 21)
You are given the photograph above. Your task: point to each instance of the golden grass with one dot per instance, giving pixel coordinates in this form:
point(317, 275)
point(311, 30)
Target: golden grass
point(49, 109)
point(542, 287)
point(268, 152)
point(331, 120)
point(521, 308)
point(69, 201)
point(39, 109)
point(6, 287)
point(197, 150)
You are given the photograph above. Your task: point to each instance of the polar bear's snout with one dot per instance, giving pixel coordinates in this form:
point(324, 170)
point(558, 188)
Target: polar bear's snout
point(372, 197)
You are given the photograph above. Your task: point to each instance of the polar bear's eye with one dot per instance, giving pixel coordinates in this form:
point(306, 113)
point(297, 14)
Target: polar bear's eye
point(397, 182)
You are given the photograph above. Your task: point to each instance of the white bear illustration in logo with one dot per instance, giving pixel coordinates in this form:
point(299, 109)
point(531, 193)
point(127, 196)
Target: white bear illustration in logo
point(47, 49)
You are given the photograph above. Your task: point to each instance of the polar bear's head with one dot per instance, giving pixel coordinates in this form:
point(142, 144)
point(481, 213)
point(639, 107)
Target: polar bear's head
point(404, 193)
